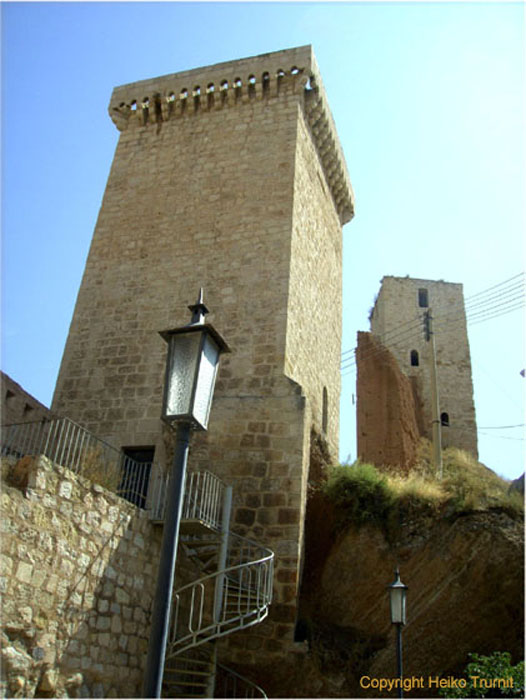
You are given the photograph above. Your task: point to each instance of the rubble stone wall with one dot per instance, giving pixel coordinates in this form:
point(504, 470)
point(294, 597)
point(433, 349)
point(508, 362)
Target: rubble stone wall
point(78, 573)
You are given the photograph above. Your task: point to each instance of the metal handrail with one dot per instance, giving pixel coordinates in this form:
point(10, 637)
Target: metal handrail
point(245, 594)
point(203, 498)
point(70, 445)
point(233, 682)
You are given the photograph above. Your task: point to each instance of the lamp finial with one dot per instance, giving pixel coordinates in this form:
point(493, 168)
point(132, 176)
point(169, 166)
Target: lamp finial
point(198, 310)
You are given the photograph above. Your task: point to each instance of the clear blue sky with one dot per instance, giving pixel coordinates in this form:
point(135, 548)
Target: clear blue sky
point(429, 102)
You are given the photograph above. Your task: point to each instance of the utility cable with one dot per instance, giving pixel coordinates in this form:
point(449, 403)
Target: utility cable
point(467, 305)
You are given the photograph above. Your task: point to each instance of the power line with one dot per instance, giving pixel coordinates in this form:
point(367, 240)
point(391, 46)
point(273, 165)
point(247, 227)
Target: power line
point(482, 315)
point(502, 427)
point(512, 289)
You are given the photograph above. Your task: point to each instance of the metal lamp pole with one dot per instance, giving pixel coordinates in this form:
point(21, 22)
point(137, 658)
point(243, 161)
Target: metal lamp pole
point(397, 599)
point(191, 369)
point(165, 578)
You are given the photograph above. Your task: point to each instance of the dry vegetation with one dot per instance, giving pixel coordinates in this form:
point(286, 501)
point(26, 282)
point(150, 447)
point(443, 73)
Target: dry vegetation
point(366, 493)
point(96, 467)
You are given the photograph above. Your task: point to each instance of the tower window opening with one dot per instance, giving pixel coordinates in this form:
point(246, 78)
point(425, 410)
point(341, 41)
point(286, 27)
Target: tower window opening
point(280, 75)
point(423, 298)
point(171, 103)
point(252, 85)
point(146, 109)
point(415, 360)
point(311, 83)
point(265, 80)
point(197, 97)
point(223, 90)
point(237, 88)
point(133, 106)
point(294, 70)
point(210, 95)
point(444, 419)
point(325, 410)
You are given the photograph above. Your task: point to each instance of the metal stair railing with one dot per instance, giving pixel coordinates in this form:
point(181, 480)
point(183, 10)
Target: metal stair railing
point(70, 445)
point(230, 684)
point(231, 599)
point(203, 498)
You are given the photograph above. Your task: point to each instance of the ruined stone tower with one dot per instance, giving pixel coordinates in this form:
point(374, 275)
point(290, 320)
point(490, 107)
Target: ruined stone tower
point(229, 177)
point(397, 321)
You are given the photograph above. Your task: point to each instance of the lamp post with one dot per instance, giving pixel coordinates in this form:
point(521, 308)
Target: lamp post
point(397, 600)
point(191, 369)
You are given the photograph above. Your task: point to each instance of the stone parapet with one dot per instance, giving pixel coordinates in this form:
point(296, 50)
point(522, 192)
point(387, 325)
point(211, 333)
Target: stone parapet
point(233, 83)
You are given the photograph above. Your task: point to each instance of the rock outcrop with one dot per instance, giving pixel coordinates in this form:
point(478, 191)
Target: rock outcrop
point(466, 594)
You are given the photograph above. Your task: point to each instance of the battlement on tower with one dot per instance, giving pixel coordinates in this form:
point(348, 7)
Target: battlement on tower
point(231, 84)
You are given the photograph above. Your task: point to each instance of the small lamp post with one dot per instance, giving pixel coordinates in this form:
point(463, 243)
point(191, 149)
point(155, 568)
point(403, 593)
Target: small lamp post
point(191, 369)
point(397, 600)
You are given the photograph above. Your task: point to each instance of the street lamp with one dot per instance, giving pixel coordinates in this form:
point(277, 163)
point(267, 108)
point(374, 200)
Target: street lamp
point(397, 600)
point(191, 369)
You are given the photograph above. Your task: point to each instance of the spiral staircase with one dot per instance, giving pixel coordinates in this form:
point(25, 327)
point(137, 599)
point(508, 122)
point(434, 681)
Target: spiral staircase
point(233, 591)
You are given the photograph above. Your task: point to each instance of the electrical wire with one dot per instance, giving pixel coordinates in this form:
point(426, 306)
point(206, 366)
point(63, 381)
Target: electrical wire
point(488, 311)
point(487, 314)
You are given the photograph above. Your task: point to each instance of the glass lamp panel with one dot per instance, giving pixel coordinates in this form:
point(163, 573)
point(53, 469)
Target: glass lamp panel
point(404, 597)
point(182, 365)
point(206, 380)
point(397, 597)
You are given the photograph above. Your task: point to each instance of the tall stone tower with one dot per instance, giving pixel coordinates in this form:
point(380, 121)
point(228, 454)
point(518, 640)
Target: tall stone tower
point(230, 177)
point(397, 320)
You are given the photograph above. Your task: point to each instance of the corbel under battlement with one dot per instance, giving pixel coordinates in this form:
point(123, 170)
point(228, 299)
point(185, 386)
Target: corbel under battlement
point(225, 85)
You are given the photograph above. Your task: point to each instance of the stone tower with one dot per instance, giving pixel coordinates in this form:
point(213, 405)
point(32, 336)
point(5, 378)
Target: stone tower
point(230, 177)
point(397, 320)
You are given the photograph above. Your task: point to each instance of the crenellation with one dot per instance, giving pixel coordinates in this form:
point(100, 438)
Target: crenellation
point(173, 97)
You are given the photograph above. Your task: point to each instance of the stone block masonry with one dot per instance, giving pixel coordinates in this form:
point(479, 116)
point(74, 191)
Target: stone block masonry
point(78, 571)
point(228, 177)
point(17, 405)
point(397, 321)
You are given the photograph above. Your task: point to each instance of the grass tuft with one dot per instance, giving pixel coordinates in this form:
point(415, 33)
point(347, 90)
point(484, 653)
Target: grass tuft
point(365, 493)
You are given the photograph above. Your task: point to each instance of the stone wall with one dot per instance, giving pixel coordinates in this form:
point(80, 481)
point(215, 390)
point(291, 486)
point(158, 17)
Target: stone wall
point(397, 320)
point(230, 178)
point(18, 406)
point(387, 426)
point(78, 572)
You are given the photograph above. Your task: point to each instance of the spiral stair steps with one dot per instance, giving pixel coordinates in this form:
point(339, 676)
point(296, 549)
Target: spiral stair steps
point(239, 592)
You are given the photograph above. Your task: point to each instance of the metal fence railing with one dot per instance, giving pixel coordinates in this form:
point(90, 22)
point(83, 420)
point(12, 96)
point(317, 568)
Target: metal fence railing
point(203, 498)
point(71, 446)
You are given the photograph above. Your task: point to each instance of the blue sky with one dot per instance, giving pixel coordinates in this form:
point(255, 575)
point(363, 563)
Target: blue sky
point(429, 102)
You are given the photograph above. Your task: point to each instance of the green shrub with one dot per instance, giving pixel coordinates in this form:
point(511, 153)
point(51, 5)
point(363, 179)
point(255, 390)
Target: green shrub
point(361, 494)
point(490, 676)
